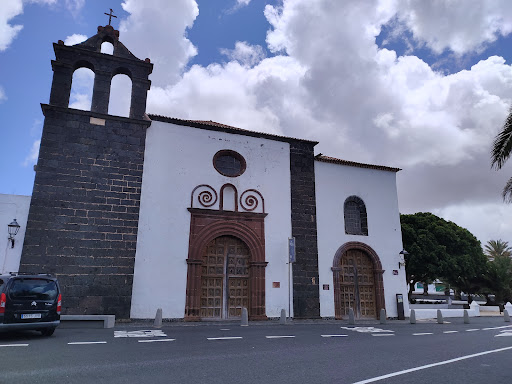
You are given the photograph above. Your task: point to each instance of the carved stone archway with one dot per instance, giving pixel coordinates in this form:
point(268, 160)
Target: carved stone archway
point(377, 275)
point(207, 225)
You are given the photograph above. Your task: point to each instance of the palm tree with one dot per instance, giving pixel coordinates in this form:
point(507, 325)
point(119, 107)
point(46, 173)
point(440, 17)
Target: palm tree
point(496, 249)
point(501, 151)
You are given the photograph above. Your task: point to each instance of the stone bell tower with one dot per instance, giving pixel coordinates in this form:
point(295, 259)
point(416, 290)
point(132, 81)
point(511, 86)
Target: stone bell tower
point(84, 212)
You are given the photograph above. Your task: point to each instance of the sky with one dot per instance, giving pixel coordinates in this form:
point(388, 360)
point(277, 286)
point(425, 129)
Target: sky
point(424, 86)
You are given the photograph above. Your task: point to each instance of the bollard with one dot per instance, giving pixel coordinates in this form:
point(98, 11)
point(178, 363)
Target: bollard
point(158, 318)
point(351, 319)
point(245, 318)
point(383, 316)
point(506, 316)
point(282, 320)
point(466, 317)
point(439, 317)
point(412, 317)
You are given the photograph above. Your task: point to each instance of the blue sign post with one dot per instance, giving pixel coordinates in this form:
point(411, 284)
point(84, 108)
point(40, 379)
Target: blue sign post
point(291, 249)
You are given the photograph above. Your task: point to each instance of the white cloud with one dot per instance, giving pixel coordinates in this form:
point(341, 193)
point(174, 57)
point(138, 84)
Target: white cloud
point(75, 39)
point(246, 54)
point(74, 6)
point(9, 10)
point(31, 158)
point(3, 96)
point(243, 2)
point(459, 25)
point(163, 39)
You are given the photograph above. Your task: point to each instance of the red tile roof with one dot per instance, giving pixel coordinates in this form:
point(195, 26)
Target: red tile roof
point(214, 126)
point(327, 159)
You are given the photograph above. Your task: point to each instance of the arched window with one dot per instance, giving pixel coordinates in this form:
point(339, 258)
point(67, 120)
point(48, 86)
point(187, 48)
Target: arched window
point(81, 89)
point(120, 96)
point(356, 222)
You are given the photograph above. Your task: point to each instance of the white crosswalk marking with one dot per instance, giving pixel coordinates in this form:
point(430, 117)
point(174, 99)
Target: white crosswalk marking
point(366, 329)
point(142, 333)
point(334, 335)
point(224, 338)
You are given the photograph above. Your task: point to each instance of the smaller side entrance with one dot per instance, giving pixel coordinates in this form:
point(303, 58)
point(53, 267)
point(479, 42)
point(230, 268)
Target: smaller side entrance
point(355, 285)
point(224, 278)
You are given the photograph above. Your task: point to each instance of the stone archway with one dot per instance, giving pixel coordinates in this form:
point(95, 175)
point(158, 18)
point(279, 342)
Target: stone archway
point(358, 284)
point(208, 225)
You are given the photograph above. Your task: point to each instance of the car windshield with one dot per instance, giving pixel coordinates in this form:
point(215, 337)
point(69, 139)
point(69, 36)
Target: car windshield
point(40, 289)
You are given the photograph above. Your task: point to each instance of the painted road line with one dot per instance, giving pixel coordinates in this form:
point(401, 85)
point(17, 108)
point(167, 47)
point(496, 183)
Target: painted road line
point(382, 334)
point(225, 329)
point(422, 334)
point(506, 332)
point(488, 329)
point(87, 342)
point(472, 330)
point(14, 345)
point(334, 335)
point(225, 338)
point(405, 371)
point(154, 341)
point(450, 331)
point(142, 333)
point(279, 337)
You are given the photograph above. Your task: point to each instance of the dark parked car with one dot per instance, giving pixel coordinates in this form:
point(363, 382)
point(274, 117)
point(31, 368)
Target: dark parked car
point(30, 302)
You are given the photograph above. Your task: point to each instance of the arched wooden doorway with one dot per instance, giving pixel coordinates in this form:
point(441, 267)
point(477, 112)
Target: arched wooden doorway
point(224, 278)
point(358, 282)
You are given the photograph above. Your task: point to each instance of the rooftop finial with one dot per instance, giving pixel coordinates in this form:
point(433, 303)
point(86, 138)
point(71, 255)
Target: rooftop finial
point(110, 16)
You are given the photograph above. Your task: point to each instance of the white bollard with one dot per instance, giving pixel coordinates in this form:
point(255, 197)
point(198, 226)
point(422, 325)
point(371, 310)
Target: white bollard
point(245, 318)
point(412, 317)
point(282, 320)
point(506, 316)
point(158, 318)
point(351, 319)
point(466, 317)
point(439, 317)
point(383, 316)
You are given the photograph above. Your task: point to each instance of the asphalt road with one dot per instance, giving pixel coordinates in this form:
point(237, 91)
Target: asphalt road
point(316, 352)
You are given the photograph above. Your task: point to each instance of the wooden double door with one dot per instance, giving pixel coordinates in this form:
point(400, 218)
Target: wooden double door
point(355, 287)
point(224, 278)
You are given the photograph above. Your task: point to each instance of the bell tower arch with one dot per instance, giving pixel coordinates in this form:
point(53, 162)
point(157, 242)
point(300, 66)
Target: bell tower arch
point(83, 217)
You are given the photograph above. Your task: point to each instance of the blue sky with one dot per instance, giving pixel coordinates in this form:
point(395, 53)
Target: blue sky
point(423, 86)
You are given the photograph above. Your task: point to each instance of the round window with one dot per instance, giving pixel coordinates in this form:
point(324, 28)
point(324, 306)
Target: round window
point(229, 163)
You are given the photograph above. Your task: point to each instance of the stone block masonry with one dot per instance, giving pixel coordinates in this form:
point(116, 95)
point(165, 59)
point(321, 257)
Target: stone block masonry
point(306, 301)
point(84, 212)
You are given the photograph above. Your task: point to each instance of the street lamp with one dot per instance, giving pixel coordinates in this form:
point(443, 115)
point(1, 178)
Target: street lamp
point(401, 260)
point(13, 229)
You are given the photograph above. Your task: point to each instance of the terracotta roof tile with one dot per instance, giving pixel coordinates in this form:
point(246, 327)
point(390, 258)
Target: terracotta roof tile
point(327, 159)
point(214, 126)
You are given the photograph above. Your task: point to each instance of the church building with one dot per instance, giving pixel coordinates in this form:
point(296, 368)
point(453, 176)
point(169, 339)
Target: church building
point(199, 218)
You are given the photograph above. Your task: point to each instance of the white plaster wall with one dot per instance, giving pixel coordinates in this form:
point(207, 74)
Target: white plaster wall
point(12, 207)
point(377, 188)
point(177, 159)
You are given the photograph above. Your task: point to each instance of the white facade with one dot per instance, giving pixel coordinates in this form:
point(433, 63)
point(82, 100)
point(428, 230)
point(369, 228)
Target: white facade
point(178, 159)
point(12, 207)
point(377, 188)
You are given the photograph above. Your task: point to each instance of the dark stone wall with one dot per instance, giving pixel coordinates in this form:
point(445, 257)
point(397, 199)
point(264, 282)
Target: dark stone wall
point(306, 301)
point(83, 218)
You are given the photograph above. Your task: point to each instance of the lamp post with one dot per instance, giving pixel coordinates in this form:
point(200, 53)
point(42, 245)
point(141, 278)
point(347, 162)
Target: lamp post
point(401, 260)
point(13, 229)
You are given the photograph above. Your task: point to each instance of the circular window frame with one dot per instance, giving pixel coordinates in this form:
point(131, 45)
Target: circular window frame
point(236, 155)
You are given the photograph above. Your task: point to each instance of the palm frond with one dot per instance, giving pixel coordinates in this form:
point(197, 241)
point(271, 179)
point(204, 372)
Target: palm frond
point(507, 192)
point(502, 146)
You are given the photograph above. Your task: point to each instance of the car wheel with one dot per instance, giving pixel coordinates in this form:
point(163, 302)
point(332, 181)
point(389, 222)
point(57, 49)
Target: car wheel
point(47, 331)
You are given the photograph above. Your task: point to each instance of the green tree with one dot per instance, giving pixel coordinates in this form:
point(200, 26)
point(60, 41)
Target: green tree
point(501, 150)
point(440, 249)
point(499, 278)
point(497, 248)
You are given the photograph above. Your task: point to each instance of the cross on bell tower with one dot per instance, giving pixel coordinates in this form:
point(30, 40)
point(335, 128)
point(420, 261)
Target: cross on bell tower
point(110, 16)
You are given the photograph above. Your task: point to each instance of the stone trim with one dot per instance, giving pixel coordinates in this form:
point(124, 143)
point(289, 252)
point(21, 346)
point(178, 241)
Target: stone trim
point(206, 225)
point(380, 301)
